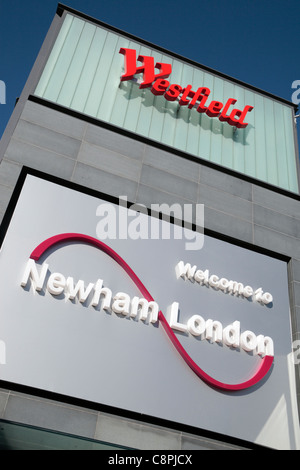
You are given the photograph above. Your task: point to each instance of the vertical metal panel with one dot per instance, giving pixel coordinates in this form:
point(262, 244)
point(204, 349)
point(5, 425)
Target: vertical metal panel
point(239, 137)
point(271, 152)
point(260, 144)
point(290, 147)
point(83, 73)
point(41, 89)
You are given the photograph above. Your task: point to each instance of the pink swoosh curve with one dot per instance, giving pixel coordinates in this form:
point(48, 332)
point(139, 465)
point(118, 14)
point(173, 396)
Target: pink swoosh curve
point(260, 373)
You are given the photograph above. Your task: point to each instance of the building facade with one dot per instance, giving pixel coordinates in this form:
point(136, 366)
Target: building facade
point(129, 172)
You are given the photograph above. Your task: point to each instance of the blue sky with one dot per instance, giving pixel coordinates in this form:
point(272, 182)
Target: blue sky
point(256, 41)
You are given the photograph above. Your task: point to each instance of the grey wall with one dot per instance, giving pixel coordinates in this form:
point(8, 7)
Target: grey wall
point(100, 159)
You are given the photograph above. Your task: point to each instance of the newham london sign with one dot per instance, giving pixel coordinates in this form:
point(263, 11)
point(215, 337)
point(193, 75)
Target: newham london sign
point(61, 239)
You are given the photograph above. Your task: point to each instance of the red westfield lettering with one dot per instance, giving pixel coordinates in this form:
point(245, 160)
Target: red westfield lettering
point(186, 96)
point(148, 68)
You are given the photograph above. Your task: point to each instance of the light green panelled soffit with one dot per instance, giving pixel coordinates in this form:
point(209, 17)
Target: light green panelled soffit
point(83, 73)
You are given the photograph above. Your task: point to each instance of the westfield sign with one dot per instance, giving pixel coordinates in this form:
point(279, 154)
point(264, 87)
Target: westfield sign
point(183, 94)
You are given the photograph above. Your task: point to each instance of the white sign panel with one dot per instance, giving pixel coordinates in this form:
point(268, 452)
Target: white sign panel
point(194, 334)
